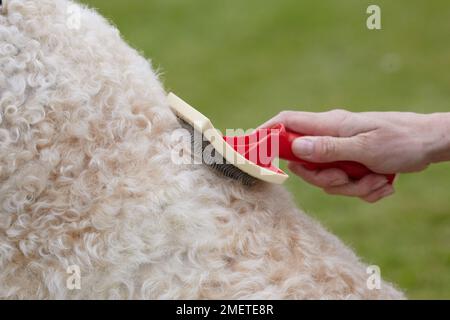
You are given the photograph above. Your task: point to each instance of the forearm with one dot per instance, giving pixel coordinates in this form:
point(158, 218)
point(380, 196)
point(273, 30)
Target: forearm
point(439, 149)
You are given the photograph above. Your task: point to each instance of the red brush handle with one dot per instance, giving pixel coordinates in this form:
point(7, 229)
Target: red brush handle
point(354, 170)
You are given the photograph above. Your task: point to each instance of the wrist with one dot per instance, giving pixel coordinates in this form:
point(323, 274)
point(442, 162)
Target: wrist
point(439, 147)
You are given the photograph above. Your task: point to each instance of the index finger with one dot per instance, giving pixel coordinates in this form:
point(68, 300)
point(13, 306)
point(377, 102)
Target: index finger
point(310, 123)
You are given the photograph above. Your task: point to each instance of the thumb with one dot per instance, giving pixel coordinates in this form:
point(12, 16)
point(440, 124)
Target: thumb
point(327, 149)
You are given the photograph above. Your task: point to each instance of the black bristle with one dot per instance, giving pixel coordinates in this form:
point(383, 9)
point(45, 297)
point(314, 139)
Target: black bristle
point(216, 161)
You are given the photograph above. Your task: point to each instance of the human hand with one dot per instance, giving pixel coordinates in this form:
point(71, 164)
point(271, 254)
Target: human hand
point(385, 142)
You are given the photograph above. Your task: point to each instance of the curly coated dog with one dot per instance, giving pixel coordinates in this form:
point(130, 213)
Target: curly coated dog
point(87, 185)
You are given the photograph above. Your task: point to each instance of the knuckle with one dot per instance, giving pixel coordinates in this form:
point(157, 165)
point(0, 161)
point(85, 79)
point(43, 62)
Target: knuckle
point(327, 147)
point(370, 200)
point(368, 153)
point(365, 189)
point(339, 113)
point(285, 114)
point(363, 141)
point(321, 182)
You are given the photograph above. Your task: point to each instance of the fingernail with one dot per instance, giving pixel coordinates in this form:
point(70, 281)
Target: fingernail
point(303, 147)
point(379, 184)
point(338, 182)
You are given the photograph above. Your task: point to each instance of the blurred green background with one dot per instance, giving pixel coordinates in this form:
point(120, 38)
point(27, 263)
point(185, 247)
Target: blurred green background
point(241, 62)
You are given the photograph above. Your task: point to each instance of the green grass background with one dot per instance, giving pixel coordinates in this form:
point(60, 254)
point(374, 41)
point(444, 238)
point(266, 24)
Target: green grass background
point(241, 62)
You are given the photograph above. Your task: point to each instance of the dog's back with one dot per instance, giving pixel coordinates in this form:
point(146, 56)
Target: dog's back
point(88, 187)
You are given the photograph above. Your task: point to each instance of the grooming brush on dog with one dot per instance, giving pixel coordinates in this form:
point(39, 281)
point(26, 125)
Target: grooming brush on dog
point(251, 157)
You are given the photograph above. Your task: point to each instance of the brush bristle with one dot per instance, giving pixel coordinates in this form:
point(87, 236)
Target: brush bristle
point(214, 160)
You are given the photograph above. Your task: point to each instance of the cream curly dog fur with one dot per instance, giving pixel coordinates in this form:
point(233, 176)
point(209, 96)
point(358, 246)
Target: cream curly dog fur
point(86, 179)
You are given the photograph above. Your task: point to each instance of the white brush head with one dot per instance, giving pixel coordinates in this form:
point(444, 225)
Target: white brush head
point(204, 126)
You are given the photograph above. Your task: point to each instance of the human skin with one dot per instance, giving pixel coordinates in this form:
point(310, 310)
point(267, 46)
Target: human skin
point(385, 142)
